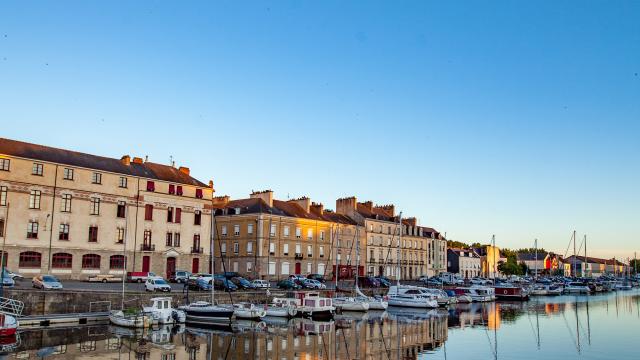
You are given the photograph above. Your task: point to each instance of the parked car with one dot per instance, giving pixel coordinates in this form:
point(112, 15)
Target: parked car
point(318, 277)
point(46, 282)
point(243, 283)
point(104, 278)
point(230, 274)
point(139, 276)
point(384, 281)
point(288, 285)
point(8, 282)
point(179, 276)
point(222, 283)
point(261, 284)
point(313, 284)
point(200, 284)
point(434, 282)
point(12, 275)
point(298, 279)
point(157, 284)
point(368, 281)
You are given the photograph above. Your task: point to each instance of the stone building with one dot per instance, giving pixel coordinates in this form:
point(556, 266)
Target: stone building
point(70, 214)
point(262, 237)
point(463, 262)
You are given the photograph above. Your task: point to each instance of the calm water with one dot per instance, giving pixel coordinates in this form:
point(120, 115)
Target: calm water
point(566, 327)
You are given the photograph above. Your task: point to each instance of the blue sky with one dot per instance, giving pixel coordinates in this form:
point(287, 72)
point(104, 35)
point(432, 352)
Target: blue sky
point(508, 118)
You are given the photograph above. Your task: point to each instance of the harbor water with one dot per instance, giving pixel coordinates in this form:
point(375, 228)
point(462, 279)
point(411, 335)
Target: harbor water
point(603, 326)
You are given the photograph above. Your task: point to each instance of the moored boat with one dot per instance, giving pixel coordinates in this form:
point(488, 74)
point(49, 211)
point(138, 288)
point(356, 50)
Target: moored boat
point(511, 292)
point(314, 305)
point(161, 311)
point(283, 307)
point(576, 287)
point(136, 320)
point(411, 297)
point(478, 293)
point(249, 311)
point(204, 313)
point(8, 325)
point(351, 304)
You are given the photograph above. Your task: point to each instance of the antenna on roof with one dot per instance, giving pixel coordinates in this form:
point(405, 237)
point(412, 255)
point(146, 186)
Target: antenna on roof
point(171, 161)
point(146, 158)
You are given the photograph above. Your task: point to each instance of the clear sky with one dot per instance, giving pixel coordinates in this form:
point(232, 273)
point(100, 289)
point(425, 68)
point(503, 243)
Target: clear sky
point(519, 119)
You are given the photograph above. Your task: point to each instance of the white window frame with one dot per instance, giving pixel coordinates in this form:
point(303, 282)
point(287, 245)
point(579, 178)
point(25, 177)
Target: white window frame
point(236, 230)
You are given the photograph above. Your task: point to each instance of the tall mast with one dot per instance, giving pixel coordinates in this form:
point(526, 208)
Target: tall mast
point(398, 253)
point(357, 258)
point(575, 259)
point(336, 271)
point(635, 262)
point(585, 256)
point(536, 267)
point(213, 258)
point(124, 251)
point(494, 267)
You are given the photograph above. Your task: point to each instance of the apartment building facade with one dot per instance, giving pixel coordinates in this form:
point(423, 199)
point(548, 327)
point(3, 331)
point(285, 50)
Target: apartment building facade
point(262, 237)
point(463, 262)
point(75, 215)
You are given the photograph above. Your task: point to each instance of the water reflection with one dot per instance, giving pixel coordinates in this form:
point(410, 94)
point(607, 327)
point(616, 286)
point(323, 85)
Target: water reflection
point(541, 328)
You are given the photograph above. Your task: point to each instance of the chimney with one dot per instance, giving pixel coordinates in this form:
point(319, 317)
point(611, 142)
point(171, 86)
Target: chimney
point(126, 160)
point(211, 184)
point(368, 205)
point(304, 203)
point(137, 160)
point(346, 206)
point(184, 170)
point(317, 208)
point(412, 221)
point(266, 196)
point(221, 200)
point(390, 209)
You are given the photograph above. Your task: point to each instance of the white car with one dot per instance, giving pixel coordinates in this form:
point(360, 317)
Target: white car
point(157, 284)
point(261, 284)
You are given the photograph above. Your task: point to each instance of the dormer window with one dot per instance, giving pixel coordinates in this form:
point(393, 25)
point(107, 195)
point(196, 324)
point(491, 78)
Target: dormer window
point(151, 186)
point(179, 190)
point(199, 194)
point(172, 189)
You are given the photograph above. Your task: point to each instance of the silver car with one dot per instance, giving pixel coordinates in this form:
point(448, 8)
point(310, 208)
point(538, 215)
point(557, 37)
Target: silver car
point(46, 282)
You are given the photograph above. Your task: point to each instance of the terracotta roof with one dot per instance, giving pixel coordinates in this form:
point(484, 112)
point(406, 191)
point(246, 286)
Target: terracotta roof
point(375, 213)
point(74, 158)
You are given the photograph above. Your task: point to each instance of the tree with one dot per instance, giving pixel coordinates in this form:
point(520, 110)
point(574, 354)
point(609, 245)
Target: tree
point(457, 244)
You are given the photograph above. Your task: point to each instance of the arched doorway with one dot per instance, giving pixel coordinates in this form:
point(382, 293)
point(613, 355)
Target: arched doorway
point(171, 266)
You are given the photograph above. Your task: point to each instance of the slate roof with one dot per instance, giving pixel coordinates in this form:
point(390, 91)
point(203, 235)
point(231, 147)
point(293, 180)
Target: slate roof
point(73, 158)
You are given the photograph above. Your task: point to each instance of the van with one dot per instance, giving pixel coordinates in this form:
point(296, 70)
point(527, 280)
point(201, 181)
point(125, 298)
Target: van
point(139, 276)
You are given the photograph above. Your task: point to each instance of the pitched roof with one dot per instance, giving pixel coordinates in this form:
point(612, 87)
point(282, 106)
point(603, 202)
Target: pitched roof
point(593, 260)
point(73, 158)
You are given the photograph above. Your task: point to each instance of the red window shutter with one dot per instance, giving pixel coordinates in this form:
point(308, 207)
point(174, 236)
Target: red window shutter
point(179, 191)
point(151, 186)
point(148, 212)
point(178, 215)
point(172, 189)
point(199, 193)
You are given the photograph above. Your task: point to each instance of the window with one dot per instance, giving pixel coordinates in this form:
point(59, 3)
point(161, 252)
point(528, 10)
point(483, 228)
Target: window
point(117, 262)
point(96, 178)
point(67, 174)
point(169, 214)
point(196, 242)
point(272, 268)
point(93, 234)
point(285, 268)
point(172, 189)
point(1, 227)
point(148, 212)
point(298, 233)
point(91, 261)
point(169, 241)
point(298, 249)
point(321, 251)
point(309, 234)
point(236, 230)
point(285, 249)
point(249, 269)
point(250, 229)
point(37, 169)
point(176, 239)
point(94, 206)
point(309, 250)
point(65, 206)
point(272, 232)
point(199, 194)
point(121, 210)
point(64, 232)
point(179, 190)
point(147, 237)
point(61, 261)
point(224, 230)
point(178, 218)
point(4, 164)
point(122, 182)
point(120, 235)
point(34, 199)
point(223, 248)
point(250, 247)
point(236, 248)
point(321, 235)
point(272, 249)
point(32, 230)
point(309, 268)
point(151, 186)
point(3, 195)
point(197, 217)
point(286, 231)
point(30, 259)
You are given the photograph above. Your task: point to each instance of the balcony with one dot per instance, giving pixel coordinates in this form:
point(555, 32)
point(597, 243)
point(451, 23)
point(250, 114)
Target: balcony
point(196, 250)
point(372, 261)
point(298, 256)
point(147, 247)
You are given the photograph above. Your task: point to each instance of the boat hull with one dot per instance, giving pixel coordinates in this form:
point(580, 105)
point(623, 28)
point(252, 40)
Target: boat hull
point(511, 293)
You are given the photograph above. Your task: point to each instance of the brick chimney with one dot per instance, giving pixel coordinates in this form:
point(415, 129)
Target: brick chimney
point(304, 202)
point(126, 160)
point(367, 205)
point(390, 209)
point(317, 208)
point(266, 196)
point(184, 170)
point(411, 221)
point(346, 206)
point(220, 200)
point(137, 160)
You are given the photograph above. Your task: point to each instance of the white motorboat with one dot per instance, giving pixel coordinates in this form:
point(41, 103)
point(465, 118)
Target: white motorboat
point(464, 299)
point(312, 304)
point(8, 325)
point(546, 290)
point(410, 296)
point(351, 303)
point(162, 312)
point(478, 293)
point(576, 287)
point(249, 311)
point(375, 303)
point(441, 297)
point(136, 320)
point(204, 313)
point(283, 307)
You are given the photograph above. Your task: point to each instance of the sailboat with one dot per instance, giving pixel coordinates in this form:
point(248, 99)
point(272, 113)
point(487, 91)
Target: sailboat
point(375, 303)
point(208, 313)
point(347, 303)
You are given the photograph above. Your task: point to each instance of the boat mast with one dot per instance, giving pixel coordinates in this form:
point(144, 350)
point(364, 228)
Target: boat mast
point(575, 259)
point(536, 267)
point(124, 252)
point(398, 252)
point(584, 271)
point(336, 271)
point(494, 266)
point(357, 259)
point(213, 258)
